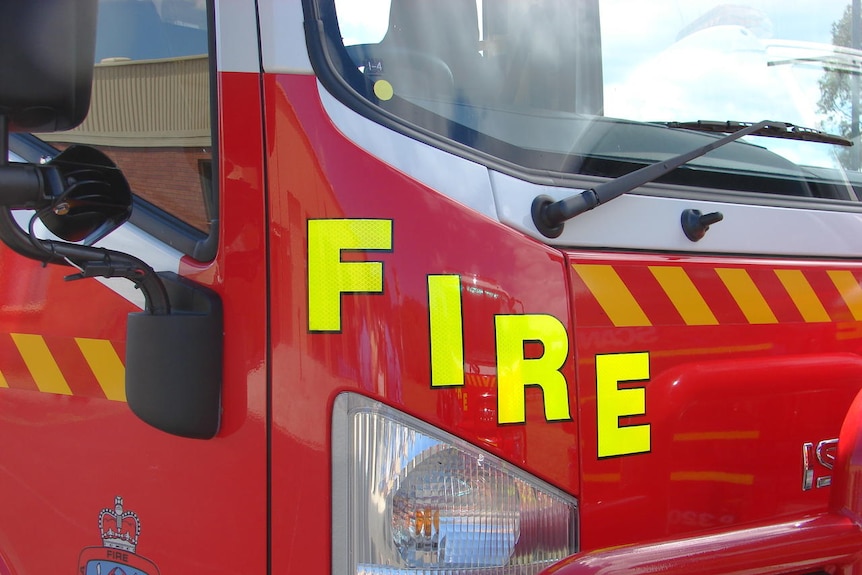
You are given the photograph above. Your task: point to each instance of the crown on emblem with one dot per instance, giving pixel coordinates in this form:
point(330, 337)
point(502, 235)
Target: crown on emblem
point(120, 529)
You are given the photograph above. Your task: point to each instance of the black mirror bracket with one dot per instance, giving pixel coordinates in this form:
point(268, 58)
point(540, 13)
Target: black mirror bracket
point(89, 261)
point(48, 190)
point(23, 186)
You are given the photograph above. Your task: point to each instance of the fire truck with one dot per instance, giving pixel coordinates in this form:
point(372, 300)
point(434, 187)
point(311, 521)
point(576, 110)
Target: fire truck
point(447, 287)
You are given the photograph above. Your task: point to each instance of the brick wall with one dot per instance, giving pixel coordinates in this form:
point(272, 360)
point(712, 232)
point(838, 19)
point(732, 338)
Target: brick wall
point(169, 178)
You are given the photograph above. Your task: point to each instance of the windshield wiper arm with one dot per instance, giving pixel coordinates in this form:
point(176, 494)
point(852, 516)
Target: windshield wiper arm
point(549, 215)
point(783, 130)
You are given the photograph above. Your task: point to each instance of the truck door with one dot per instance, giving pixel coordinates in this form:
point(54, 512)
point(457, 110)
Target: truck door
point(678, 358)
point(84, 483)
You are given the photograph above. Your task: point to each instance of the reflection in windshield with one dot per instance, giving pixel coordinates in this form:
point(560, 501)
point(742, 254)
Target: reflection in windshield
point(731, 63)
point(522, 79)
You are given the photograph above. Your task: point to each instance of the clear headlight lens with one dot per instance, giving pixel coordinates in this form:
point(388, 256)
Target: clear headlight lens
point(411, 499)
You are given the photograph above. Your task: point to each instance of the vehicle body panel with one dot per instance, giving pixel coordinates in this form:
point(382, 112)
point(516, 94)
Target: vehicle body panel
point(382, 349)
point(201, 505)
point(729, 398)
point(704, 384)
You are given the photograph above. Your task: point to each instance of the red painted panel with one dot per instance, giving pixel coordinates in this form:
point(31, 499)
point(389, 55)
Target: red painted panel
point(742, 373)
point(202, 505)
point(729, 405)
point(806, 546)
point(382, 349)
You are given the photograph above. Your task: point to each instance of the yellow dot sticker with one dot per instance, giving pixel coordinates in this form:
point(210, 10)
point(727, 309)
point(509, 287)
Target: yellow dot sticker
point(383, 90)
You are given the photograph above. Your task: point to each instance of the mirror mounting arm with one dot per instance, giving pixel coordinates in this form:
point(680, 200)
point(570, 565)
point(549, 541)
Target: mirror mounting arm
point(26, 186)
point(90, 261)
point(104, 263)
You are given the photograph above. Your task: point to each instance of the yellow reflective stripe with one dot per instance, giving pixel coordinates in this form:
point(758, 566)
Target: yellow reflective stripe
point(106, 366)
point(803, 296)
point(850, 291)
point(3, 382)
point(684, 295)
point(623, 308)
point(747, 296)
point(613, 295)
point(45, 371)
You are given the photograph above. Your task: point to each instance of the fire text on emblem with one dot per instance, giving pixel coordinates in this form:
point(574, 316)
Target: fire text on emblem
point(119, 529)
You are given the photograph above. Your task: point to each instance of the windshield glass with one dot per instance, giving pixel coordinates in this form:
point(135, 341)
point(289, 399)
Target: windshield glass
point(587, 86)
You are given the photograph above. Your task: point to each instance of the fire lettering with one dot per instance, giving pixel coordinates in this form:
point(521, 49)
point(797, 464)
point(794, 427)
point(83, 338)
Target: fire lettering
point(446, 327)
point(515, 372)
point(612, 403)
point(329, 277)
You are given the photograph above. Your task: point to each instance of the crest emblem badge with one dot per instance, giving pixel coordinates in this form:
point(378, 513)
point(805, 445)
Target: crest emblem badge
point(119, 529)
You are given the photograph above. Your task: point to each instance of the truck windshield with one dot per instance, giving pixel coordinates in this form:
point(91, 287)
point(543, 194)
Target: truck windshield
point(590, 86)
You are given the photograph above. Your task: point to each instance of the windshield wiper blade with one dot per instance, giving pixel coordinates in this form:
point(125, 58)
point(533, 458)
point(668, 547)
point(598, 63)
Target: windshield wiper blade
point(783, 130)
point(549, 215)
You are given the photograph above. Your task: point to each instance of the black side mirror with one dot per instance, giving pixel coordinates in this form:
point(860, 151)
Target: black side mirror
point(174, 347)
point(46, 65)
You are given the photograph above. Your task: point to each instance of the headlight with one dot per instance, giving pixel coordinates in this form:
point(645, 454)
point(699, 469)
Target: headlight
point(411, 499)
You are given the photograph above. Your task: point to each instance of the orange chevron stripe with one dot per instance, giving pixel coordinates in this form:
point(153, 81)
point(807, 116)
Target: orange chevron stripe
point(851, 292)
point(480, 380)
point(106, 366)
point(803, 296)
point(98, 358)
point(684, 295)
point(38, 359)
point(613, 295)
point(764, 296)
point(749, 299)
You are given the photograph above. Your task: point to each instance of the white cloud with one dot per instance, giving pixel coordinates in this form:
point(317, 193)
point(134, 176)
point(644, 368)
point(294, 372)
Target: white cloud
point(720, 72)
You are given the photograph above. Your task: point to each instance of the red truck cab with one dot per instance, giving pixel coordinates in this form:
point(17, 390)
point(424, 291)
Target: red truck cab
point(411, 287)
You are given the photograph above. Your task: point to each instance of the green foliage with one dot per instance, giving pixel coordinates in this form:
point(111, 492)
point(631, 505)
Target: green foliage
point(835, 84)
point(836, 92)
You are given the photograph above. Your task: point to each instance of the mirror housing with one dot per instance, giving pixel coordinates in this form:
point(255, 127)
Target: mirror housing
point(174, 362)
point(46, 63)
